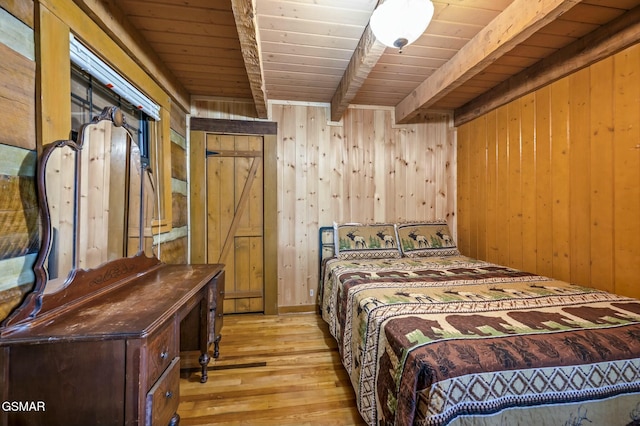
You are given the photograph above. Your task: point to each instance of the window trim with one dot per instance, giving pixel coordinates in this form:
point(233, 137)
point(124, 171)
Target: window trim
point(87, 61)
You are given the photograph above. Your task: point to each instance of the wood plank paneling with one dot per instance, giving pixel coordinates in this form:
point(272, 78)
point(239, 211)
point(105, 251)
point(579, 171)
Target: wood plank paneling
point(288, 287)
point(567, 164)
point(502, 185)
point(400, 188)
point(580, 176)
point(626, 170)
point(560, 183)
point(528, 181)
point(336, 151)
point(15, 35)
point(203, 107)
point(175, 251)
point(178, 162)
point(18, 216)
point(179, 204)
point(492, 185)
point(481, 173)
point(270, 239)
point(362, 169)
point(178, 122)
point(514, 155)
point(478, 191)
point(198, 197)
point(17, 99)
point(465, 187)
point(544, 235)
point(601, 162)
point(301, 147)
point(179, 177)
point(21, 9)
point(316, 121)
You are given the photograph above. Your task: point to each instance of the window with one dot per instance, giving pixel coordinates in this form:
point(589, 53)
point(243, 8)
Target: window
point(88, 99)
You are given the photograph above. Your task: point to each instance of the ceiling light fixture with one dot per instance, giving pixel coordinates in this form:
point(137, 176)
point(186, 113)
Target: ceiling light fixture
point(398, 23)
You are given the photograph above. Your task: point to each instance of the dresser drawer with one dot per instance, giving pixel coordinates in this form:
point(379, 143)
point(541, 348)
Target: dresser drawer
point(164, 396)
point(161, 350)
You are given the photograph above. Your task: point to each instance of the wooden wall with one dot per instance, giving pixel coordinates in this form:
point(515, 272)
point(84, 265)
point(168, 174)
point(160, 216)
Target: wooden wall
point(364, 168)
point(19, 225)
point(550, 183)
point(173, 247)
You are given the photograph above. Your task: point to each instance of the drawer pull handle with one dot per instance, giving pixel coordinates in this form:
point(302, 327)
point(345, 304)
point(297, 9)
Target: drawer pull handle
point(164, 354)
point(169, 394)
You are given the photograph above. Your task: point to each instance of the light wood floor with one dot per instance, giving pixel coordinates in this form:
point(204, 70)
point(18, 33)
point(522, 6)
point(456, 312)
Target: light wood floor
point(272, 370)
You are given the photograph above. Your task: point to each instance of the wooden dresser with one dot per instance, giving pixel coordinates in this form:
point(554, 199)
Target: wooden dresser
point(115, 359)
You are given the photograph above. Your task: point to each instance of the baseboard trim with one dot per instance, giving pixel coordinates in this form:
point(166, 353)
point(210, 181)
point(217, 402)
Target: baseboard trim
point(297, 309)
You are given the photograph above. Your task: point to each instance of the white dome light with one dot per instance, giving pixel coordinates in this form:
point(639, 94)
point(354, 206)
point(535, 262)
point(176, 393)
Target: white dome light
point(398, 23)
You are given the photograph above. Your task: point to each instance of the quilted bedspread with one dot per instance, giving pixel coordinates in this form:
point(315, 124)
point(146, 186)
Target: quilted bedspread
point(453, 340)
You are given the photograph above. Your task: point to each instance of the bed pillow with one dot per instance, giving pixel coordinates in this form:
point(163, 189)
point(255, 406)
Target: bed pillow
point(426, 239)
point(371, 241)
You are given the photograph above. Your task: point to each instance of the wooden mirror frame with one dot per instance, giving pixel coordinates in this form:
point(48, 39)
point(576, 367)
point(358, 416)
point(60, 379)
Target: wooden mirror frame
point(81, 284)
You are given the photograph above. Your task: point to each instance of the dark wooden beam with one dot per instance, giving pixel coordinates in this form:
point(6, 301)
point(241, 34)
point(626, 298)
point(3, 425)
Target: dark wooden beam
point(515, 24)
point(609, 39)
point(241, 127)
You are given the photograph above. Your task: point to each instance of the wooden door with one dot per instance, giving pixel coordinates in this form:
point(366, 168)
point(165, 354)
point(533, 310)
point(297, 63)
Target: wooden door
point(235, 214)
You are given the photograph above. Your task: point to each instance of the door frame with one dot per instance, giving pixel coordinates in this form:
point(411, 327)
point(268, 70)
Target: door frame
point(198, 194)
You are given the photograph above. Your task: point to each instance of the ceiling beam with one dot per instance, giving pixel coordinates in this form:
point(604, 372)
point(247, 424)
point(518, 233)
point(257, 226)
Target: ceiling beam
point(245, 16)
point(607, 40)
point(364, 58)
point(515, 24)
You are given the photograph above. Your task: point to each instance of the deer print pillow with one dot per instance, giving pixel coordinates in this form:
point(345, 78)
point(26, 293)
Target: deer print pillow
point(372, 241)
point(426, 239)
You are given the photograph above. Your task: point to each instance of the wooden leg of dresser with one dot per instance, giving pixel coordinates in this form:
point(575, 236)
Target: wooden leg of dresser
point(216, 346)
point(204, 362)
point(175, 420)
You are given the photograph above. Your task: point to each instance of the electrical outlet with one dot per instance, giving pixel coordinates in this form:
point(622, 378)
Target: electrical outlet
point(311, 292)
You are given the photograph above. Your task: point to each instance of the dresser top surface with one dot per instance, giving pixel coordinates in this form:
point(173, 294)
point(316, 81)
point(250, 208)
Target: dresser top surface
point(134, 309)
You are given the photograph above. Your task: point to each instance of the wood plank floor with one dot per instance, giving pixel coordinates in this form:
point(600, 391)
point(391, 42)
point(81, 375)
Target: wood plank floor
point(272, 370)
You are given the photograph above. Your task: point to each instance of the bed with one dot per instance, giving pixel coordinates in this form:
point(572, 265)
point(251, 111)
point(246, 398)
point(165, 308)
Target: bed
point(431, 337)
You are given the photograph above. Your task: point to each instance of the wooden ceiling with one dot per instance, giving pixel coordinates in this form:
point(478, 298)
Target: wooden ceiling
point(323, 50)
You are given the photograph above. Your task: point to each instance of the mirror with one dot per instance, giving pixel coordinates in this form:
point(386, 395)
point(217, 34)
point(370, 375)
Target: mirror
point(97, 194)
point(96, 203)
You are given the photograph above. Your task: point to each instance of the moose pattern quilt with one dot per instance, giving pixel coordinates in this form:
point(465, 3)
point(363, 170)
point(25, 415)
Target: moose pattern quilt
point(454, 340)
